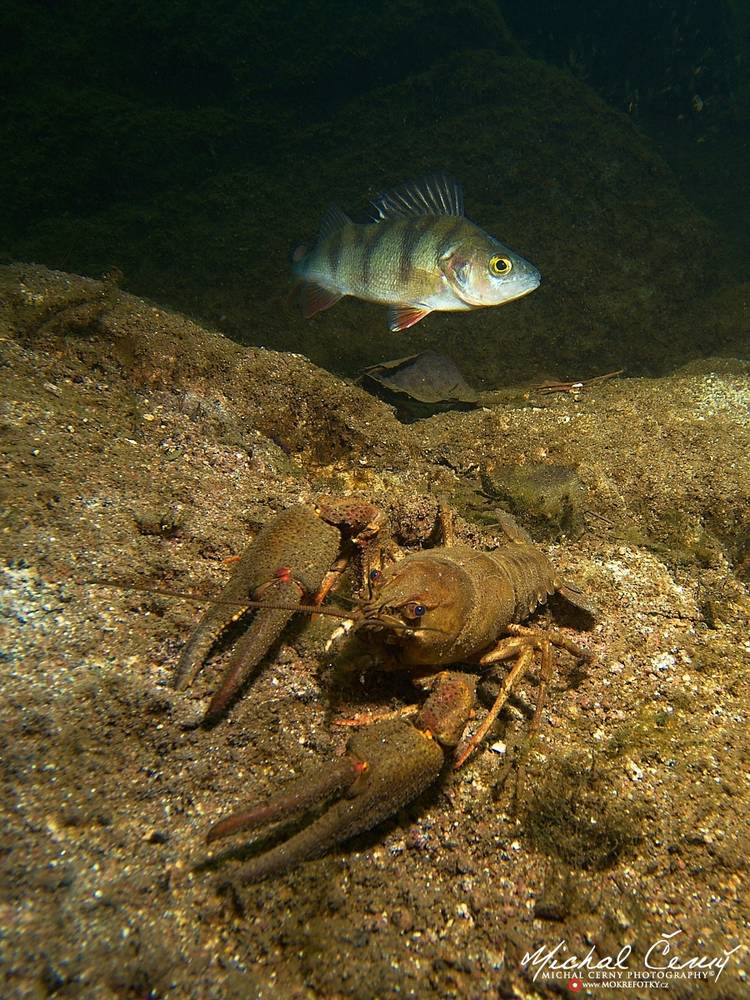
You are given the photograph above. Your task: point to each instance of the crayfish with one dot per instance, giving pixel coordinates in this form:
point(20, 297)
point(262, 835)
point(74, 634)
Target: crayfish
point(429, 612)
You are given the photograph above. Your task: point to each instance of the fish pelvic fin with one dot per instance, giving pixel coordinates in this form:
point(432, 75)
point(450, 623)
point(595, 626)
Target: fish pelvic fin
point(402, 317)
point(437, 194)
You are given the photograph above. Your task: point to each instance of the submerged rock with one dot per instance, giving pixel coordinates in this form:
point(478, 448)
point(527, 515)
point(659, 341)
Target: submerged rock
point(548, 497)
point(420, 384)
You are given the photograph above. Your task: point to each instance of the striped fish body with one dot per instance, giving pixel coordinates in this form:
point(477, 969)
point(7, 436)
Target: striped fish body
point(421, 255)
point(395, 260)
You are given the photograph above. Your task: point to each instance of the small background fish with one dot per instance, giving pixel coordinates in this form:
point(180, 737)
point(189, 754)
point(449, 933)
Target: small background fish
point(420, 255)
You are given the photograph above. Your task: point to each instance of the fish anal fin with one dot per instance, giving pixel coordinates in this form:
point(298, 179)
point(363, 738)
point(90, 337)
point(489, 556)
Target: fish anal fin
point(437, 194)
point(315, 298)
point(402, 317)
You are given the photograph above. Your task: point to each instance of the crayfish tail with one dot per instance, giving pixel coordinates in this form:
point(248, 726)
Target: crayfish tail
point(578, 600)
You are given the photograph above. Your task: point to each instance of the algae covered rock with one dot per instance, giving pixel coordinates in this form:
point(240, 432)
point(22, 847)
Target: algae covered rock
point(659, 463)
point(548, 498)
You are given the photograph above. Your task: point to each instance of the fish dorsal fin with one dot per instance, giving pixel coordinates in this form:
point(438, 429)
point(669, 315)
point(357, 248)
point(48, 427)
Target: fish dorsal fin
point(435, 195)
point(333, 220)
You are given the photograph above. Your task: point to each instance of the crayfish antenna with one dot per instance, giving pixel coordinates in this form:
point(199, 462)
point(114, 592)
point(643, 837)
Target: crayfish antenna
point(265, 629)
point(193, 656)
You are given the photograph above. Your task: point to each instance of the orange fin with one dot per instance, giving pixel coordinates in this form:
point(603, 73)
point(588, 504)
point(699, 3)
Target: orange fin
point(402, 317)
point(315, 299)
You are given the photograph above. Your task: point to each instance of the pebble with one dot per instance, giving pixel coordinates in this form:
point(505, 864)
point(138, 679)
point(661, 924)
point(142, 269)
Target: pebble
point(634, 772)
point(403, 919)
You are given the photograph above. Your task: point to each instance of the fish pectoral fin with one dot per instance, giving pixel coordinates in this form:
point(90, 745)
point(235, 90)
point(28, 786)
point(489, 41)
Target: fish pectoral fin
point(315, 298)
point(402, 317)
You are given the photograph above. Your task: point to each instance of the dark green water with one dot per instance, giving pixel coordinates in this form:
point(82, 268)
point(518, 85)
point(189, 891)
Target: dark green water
point(193, 147)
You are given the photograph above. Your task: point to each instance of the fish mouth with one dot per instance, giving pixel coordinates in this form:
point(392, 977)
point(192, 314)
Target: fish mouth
point(518, 291)
point(528, 290)
point(529, 283)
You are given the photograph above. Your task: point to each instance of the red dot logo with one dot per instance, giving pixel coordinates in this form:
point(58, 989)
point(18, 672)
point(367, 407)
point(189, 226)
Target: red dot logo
point(575, 985)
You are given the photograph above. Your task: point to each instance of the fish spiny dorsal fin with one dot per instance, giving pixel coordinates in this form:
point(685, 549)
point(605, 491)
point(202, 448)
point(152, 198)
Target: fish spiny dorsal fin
point(435, 195)
point(333, 220)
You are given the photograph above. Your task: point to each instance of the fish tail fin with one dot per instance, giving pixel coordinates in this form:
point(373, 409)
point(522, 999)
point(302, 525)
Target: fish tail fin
point(334, 219)
point(301, 257)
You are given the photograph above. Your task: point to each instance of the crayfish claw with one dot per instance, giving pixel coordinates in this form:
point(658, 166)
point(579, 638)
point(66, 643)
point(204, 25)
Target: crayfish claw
point(288, 559)
point(265, 629)
point(388, 765)
point(302, 795)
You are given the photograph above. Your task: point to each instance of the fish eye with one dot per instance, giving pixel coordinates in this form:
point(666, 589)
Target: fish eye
point(415, 610)
point(375, 575)
point(500, 265)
